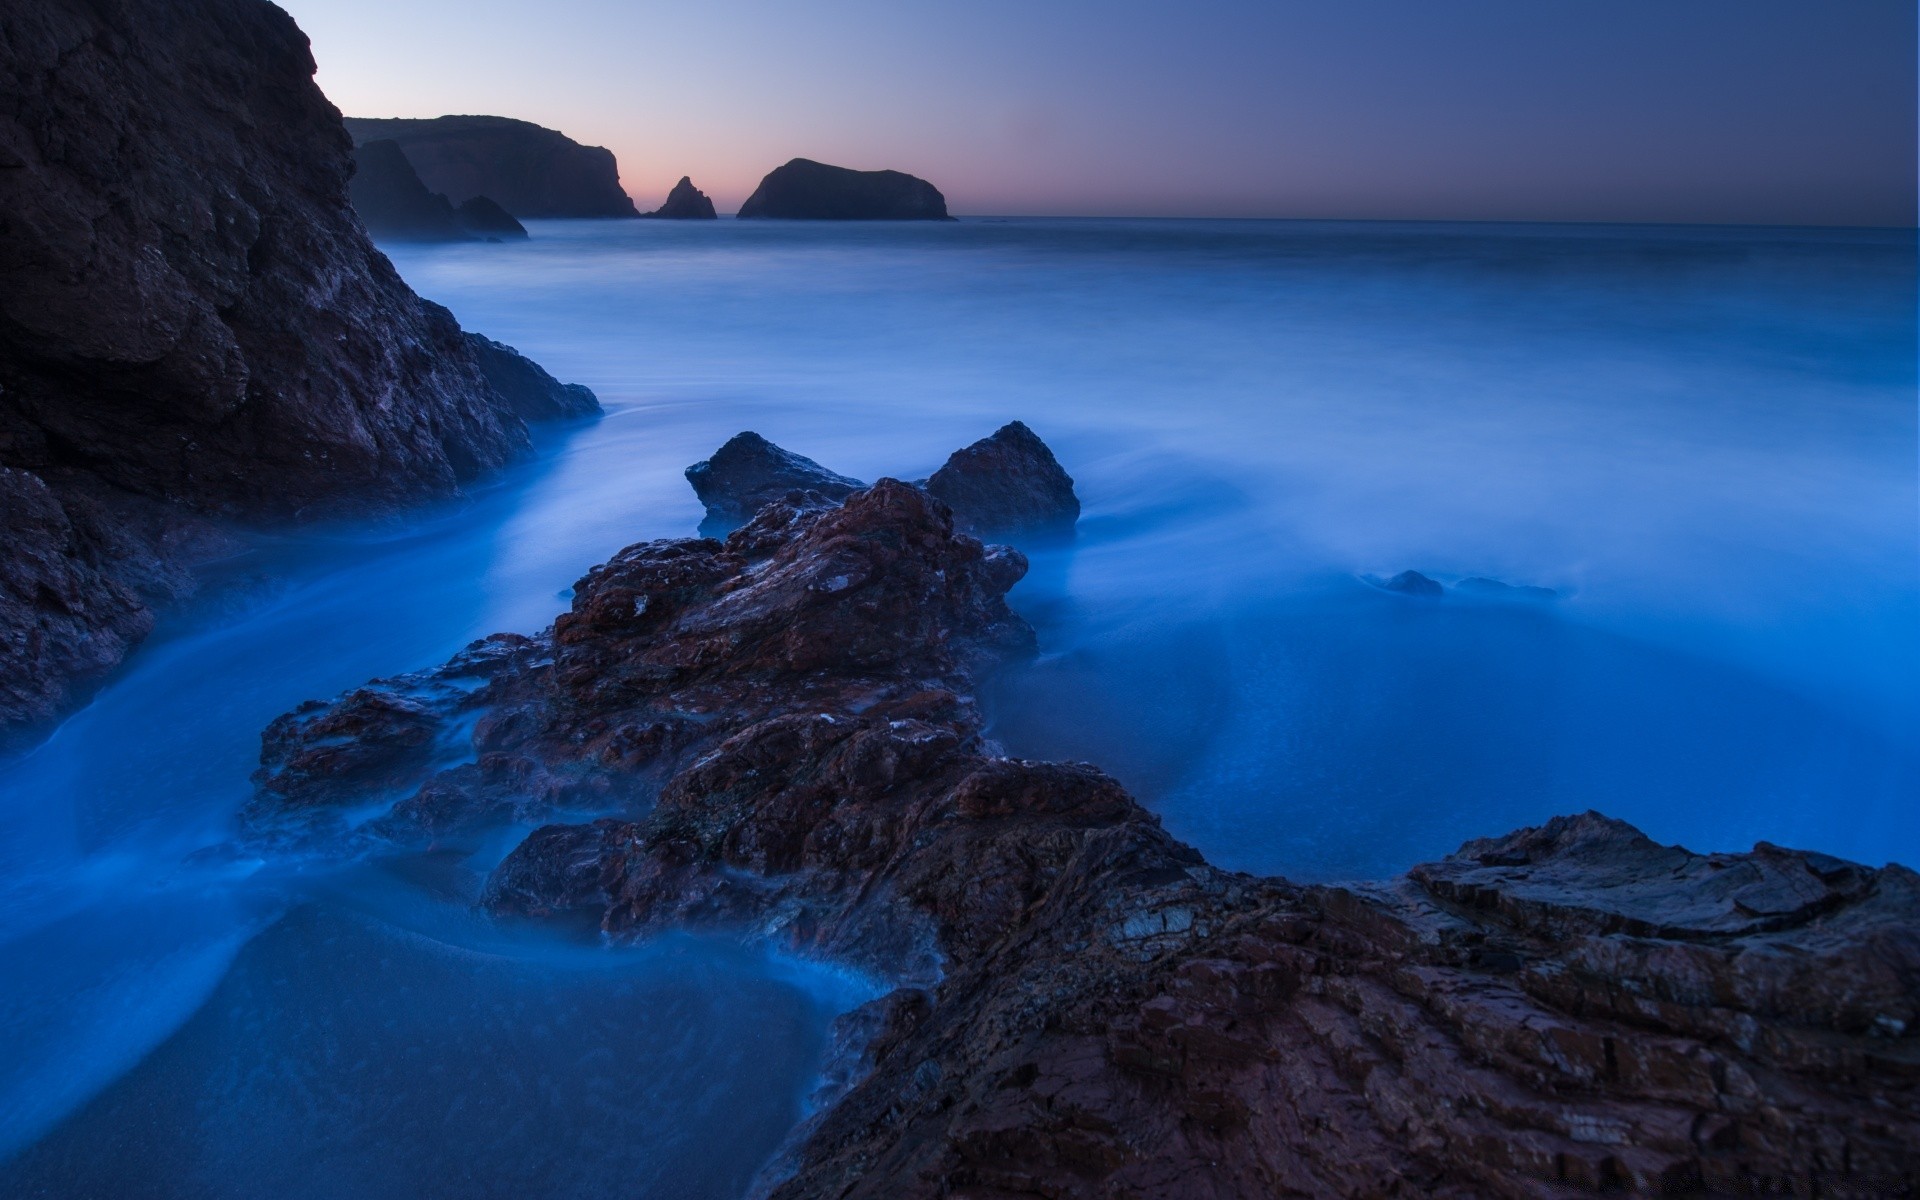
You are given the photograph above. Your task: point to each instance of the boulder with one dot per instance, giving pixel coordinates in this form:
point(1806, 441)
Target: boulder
point(684, 203)
point(530, 171)
point(1008, 485)
point(811, 191)
point(749, 472)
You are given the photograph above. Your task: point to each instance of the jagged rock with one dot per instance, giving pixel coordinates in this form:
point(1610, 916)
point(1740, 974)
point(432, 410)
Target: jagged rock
point(1412, 583)
point(392, 202)
point(812, 191)
point(481, 218)
point(193, 325)
point(1008, 484)
point(525, 385)
point(1087, 1008)
point(749, 472)
point(685, 203)
point(530, 171)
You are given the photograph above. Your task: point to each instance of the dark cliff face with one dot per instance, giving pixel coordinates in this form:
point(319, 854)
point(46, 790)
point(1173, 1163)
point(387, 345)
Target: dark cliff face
point(811, 191)
point(193, 324)
point(528, 170)
point(685, 203)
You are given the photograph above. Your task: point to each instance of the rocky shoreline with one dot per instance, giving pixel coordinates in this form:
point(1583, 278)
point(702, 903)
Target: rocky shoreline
point(776, 735)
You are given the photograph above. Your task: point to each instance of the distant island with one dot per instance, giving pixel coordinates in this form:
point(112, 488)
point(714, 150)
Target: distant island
point(805, 190)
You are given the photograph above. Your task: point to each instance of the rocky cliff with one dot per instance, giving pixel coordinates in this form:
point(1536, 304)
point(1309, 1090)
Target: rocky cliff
point(1083, 1006)
point(194, 328)
point(392, 202)
point(684, 203)
point(528, 170)
point(812, 191)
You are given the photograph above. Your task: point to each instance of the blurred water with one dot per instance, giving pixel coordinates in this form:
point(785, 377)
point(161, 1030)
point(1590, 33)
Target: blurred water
point(1705, 438)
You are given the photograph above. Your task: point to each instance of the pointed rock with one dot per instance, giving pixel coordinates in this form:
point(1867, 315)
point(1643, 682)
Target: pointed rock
point(685, 203)
point(1009, 484)
point(749, 472)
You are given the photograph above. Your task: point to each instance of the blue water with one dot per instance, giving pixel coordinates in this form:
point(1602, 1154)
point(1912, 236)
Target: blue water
point(1704, 439)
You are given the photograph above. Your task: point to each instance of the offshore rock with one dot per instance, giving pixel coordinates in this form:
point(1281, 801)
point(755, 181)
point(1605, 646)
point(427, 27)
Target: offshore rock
point(776, 736)
point(194, 328)
point(685, 203)
point(812, 191)
point(530, 171)
point(481, 218)
point(1008, 485)
point(392, 202)
point(750, 472)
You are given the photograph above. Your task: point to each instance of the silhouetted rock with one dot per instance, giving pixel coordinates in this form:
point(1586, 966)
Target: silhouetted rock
point(807, 190)
point(685, 203)
point(525, 385)
point(1412, 583)
point(1008, 484)
point(1493, 589)
point(750, 472)
point(392, 202)
point(481, 218)
point(530, 171)
point(785, 723)
point(194, 327)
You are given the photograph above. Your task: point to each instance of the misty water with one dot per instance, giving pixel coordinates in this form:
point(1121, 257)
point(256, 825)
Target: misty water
point(1703, 440)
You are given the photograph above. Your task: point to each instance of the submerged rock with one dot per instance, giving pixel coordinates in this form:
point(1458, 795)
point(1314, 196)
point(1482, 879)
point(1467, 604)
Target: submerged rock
point(194, 328)
point(749, 472)
point(481, 218)
point(784, 726)
point(1494, 589)
point(1008, 484)
point(684, 203)
point(813, 191)
point(530, 171)
point(1412, 583)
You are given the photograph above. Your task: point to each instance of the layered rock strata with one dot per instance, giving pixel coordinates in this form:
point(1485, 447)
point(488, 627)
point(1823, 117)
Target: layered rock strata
point(804, 190)
point(775, 735)
point(194, 328)
point(530, 171)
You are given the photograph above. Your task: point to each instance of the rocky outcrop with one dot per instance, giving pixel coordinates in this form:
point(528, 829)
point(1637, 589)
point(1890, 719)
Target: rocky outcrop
point(685, 203)
point(782, 726)
point(392, 202)
point(1412, 583)
point(526, 387)
point(530, 171)
point(1008, 485)
point(481, 218)
point(810, 191)
point(193, 325)
point(749, 472)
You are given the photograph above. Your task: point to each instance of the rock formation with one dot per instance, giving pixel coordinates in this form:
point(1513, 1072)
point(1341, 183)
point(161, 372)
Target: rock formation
point(811, 191)
point(392, 202)
point(481, 218)
point(749, 472)
point(193, 326)
point(530, 171)
point(685, 203)
point(1008, 485)
point(783, 727)
point(1412, 583)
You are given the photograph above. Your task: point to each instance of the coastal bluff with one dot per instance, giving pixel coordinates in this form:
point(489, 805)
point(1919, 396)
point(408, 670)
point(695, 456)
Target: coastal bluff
point(804, 190)
point(196, 334)
point(527, 169)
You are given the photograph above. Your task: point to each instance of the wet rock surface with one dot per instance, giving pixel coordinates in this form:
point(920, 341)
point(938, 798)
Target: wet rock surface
point(804, 190)
point(684, 203)
point(1008, 484)
point(194, 327)
point(530, 171)
point(750, 472)
point(776, 735)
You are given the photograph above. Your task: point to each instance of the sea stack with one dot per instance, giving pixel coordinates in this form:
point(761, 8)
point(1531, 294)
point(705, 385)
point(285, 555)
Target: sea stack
point(530, 171)
point(195, 329)
point(392, 202)
point(804, 190)
point(685, 203)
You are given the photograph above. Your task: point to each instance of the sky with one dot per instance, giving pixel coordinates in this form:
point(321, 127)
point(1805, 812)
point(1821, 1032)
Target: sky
point(1736, 111)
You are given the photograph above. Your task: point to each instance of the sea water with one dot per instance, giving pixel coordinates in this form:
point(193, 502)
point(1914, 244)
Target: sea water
point(1702, 440)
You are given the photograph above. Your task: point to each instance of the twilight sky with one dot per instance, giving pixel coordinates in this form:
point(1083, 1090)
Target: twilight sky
point(1790, 111)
